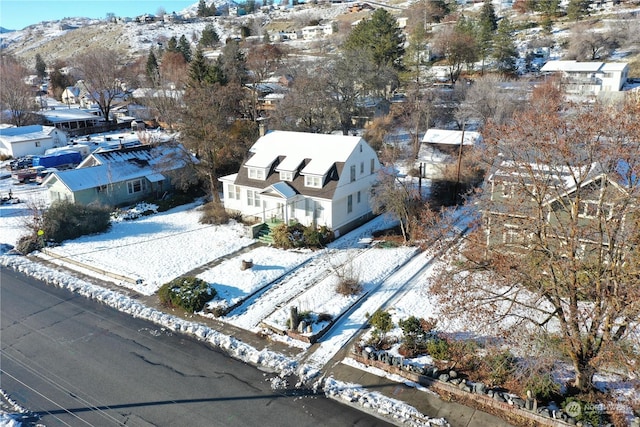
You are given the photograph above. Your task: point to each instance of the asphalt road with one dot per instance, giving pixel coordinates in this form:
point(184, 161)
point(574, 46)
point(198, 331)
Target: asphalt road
point(76, 362)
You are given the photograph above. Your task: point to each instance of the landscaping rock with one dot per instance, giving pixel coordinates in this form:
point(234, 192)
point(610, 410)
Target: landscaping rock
point(443, 377)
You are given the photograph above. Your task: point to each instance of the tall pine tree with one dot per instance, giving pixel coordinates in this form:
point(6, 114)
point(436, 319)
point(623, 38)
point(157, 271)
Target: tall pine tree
point(504, 49)
point(152, 69)
point(380, 38)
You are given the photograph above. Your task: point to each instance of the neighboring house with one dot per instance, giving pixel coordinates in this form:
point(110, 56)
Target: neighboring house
point(71, 95)
point(599, 199)
point(70, 119)
point(118, 177)
point(313, 32)
point(440, 147)
point(589, 78)
point(30, 140)
point(314, 179)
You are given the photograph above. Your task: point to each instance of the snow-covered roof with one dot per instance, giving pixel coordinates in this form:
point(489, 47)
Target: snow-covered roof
point(322, 150)
point(614, 66)
point(25, 133)
point(95, 176)
point(451, 137)
point(68, 114)
point(582, 67)
point(120, 165)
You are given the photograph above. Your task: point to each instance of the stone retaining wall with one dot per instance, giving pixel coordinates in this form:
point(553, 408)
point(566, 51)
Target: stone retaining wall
point(469, 394)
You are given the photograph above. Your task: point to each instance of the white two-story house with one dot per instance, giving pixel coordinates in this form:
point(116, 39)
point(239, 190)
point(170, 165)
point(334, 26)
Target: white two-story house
point(589, 78)
point(314, 179)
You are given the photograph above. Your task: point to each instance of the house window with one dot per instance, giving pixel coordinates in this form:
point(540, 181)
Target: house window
point(37, 143)
point(358, 197)
point(234, 191)
point(308, 207)
point(353, 172)
point(373, 165)
point(253, 198)
point(312, 181)
point(507, 189)
point(349, 203)
point(256, 173)
point(361, 168)
point(512, 236)
point(361, 148)
point(286, 176)
point(136, 186)
point(591, 209)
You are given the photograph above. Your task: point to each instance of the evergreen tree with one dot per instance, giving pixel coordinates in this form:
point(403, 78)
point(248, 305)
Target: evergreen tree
point(152, 69)
point(209, 37)
point(184, 48)
point(172, 44)
point(380, 38)
point(578, 9)
point(504, 49)
point(487, 25)
point(203, 73)
point(203, 10)
point(41, 66)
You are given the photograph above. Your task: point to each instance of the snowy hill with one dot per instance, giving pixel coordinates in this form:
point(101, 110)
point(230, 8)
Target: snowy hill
point(69, 37)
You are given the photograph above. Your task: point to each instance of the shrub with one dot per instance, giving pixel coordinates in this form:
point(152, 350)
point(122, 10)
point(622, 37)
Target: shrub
point(348, 286)
point(437, 348)
point(29, 243)
point(214, 213)
point(500, 366)
point(382, 324)
point(63, 220)
point(298, 236)
point(542, 385)
point(189, 293)
point(413, 334)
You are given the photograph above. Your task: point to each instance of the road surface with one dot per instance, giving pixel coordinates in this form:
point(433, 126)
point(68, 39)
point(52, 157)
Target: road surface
point(76, 362)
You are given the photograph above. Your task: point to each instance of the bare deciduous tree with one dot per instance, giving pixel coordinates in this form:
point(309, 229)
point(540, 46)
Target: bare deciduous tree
point(556, 255)
point(103, 73)
point(16, 96)
point(586, 44)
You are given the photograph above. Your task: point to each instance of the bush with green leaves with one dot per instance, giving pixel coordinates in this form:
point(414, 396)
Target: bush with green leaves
point(189, 293)
point(382, 324)
point(437, 348)
point(63, 220)
point(298, 236)
point(66, 220)
point(501, 366)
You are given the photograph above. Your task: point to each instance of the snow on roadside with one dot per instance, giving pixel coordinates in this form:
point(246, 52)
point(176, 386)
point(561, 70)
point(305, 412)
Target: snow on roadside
point(265, 359)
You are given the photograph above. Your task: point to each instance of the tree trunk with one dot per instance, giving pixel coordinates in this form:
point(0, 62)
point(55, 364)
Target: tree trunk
point(584, 376)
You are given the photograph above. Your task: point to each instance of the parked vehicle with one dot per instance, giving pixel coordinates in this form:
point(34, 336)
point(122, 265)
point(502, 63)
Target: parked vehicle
point(27, 174)
point(21, 163)
point(44, 173)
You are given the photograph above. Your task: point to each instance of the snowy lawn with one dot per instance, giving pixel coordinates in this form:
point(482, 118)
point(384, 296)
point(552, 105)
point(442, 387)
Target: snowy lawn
point(233, 284)
point(155, 249)
point(369, 268)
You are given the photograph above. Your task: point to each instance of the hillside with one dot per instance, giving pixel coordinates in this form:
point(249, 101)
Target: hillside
point(69, 37)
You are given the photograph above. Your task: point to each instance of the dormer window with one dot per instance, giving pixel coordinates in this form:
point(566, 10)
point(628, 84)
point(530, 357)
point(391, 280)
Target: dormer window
point(313, 181)
point(256, 173)
point(286, 176)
